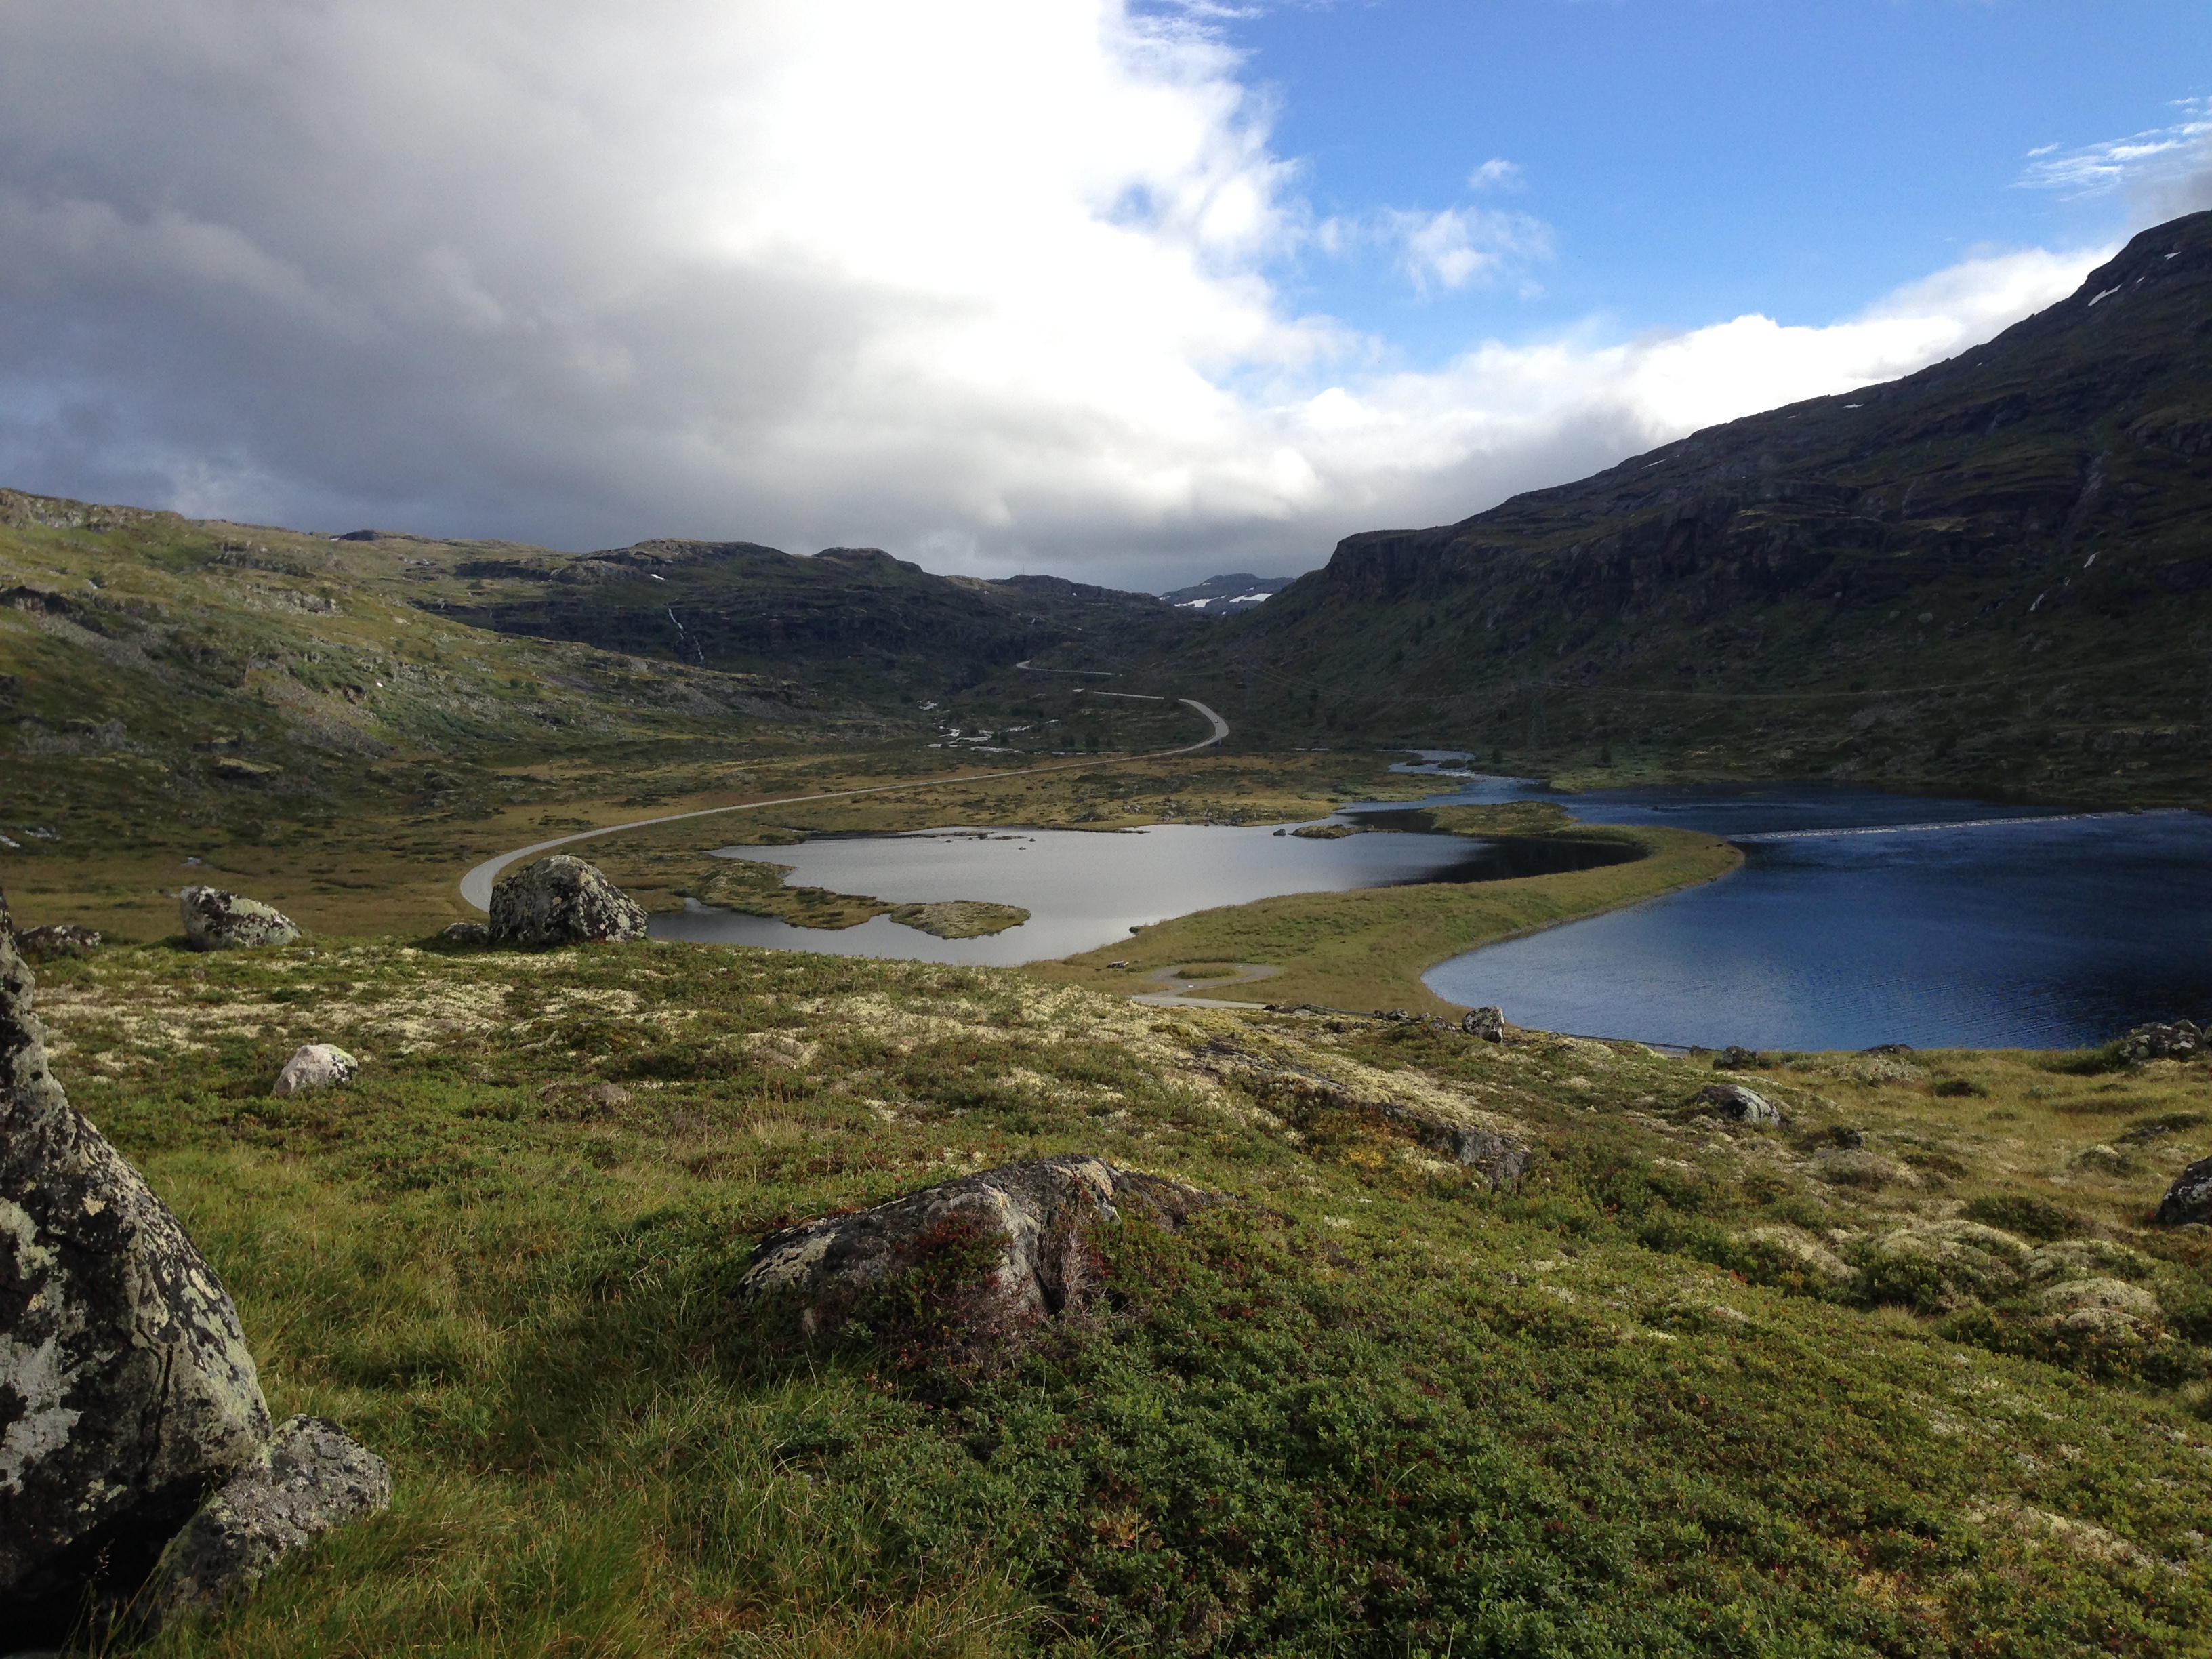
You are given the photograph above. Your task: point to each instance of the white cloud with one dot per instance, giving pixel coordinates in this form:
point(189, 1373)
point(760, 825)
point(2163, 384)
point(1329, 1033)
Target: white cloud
point(1496, 173)
point(987, 284)
point(1459, 246)
point(2168, 169)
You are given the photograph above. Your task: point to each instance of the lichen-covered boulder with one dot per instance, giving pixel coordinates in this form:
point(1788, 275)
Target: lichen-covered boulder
point(465, 935)
point(2180, 1039)
point(216, 920)
point(125, 1385)
point(561, 900)
point(1487, 1024)
point(315, 1065)
point(311, 1478)
point(994, 1252)
point(2190, 1199)
point(60, 939)
point(1739, 1104)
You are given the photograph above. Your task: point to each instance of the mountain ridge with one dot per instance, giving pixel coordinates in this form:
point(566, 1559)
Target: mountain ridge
point(2030, 512)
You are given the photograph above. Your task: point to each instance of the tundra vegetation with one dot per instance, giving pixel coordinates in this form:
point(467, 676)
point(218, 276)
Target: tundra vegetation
point(1907, 1373)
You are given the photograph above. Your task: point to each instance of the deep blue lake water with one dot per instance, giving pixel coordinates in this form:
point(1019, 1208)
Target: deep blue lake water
point(2017, 931)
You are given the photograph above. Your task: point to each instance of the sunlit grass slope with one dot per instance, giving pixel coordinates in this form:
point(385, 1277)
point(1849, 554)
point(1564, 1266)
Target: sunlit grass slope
point(1691, 1389)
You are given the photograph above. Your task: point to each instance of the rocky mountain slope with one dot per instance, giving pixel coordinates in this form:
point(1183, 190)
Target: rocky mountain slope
point(851, 618)
point(1993, 571)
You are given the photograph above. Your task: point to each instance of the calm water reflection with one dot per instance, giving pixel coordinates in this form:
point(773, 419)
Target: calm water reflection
point(1083, 889)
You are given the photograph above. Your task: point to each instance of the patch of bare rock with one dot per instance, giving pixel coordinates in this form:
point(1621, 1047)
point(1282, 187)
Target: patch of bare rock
point(127, 1394)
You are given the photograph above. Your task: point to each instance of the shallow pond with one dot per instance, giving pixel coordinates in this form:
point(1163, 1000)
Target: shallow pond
point(1083, 889)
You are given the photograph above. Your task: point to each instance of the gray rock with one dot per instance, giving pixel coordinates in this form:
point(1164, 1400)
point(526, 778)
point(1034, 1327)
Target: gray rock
point(310, 1479)
point(1012, 1240)
point(2190, 1198)
point(1488, 1024)
point(2182, 1039)
point(466, 935)
point(216, 920)
point(1500, 1158)
point(317, 1066)
point(1736, 1058)
point(561, 900)
point(1734, 1101)
point(61, 939)
point(125, 1385)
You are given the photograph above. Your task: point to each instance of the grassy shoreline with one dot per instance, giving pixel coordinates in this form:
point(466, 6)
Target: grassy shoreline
point(1367, 948)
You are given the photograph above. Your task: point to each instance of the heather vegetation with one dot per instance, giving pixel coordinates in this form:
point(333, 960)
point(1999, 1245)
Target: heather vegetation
point(1907, 1373)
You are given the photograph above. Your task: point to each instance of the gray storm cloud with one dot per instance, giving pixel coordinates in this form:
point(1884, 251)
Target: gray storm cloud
point(985, 285)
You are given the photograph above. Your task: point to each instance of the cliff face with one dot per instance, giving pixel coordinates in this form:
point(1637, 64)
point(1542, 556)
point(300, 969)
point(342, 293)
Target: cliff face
point(1982, 559)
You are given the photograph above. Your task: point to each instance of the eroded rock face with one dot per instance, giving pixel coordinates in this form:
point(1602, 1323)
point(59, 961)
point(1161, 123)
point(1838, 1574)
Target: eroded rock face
point(2190, 1199)
point(561, 900)
point(216, 920)
point(316, 1065)
point(125, 1385)
point(310, 1478)
point(1009, 1243)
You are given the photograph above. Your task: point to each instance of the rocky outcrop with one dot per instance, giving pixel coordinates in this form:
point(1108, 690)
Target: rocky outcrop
point(561, 900)
point(465, 935)
point(992, 1254)
point(310, 1478)
point(61, 939)
point(2190, 1199)
point(1739, 1104)
point(216, 920)
point(316, 1065)
point(2182, 1039)
point(125, 1385)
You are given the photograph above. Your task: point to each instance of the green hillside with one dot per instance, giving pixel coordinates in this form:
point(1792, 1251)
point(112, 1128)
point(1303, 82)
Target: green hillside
point(1993, 573)
point(1907, 1375)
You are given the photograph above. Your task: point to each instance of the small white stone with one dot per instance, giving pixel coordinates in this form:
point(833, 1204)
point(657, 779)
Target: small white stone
point(317, 1066)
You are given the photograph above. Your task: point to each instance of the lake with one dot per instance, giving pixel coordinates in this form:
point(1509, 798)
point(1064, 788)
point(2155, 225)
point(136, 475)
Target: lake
point(1083, 887)
point(1858, 917)
point(1854, 921)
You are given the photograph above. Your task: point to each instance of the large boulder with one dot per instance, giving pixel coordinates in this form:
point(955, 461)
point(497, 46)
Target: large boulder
point(216, 920)
point(561, 900)
point(311, 1478)
point(2190, 1199)
point(125, 1385)
point(991, 1254)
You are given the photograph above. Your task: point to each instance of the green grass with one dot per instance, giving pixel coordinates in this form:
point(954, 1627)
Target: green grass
point(1373, 1408)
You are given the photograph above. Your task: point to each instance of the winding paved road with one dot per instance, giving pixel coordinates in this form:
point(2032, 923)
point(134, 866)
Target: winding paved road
point(476, 885)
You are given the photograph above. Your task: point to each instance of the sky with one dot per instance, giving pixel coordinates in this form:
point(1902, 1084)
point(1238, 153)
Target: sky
point(1125, 290)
